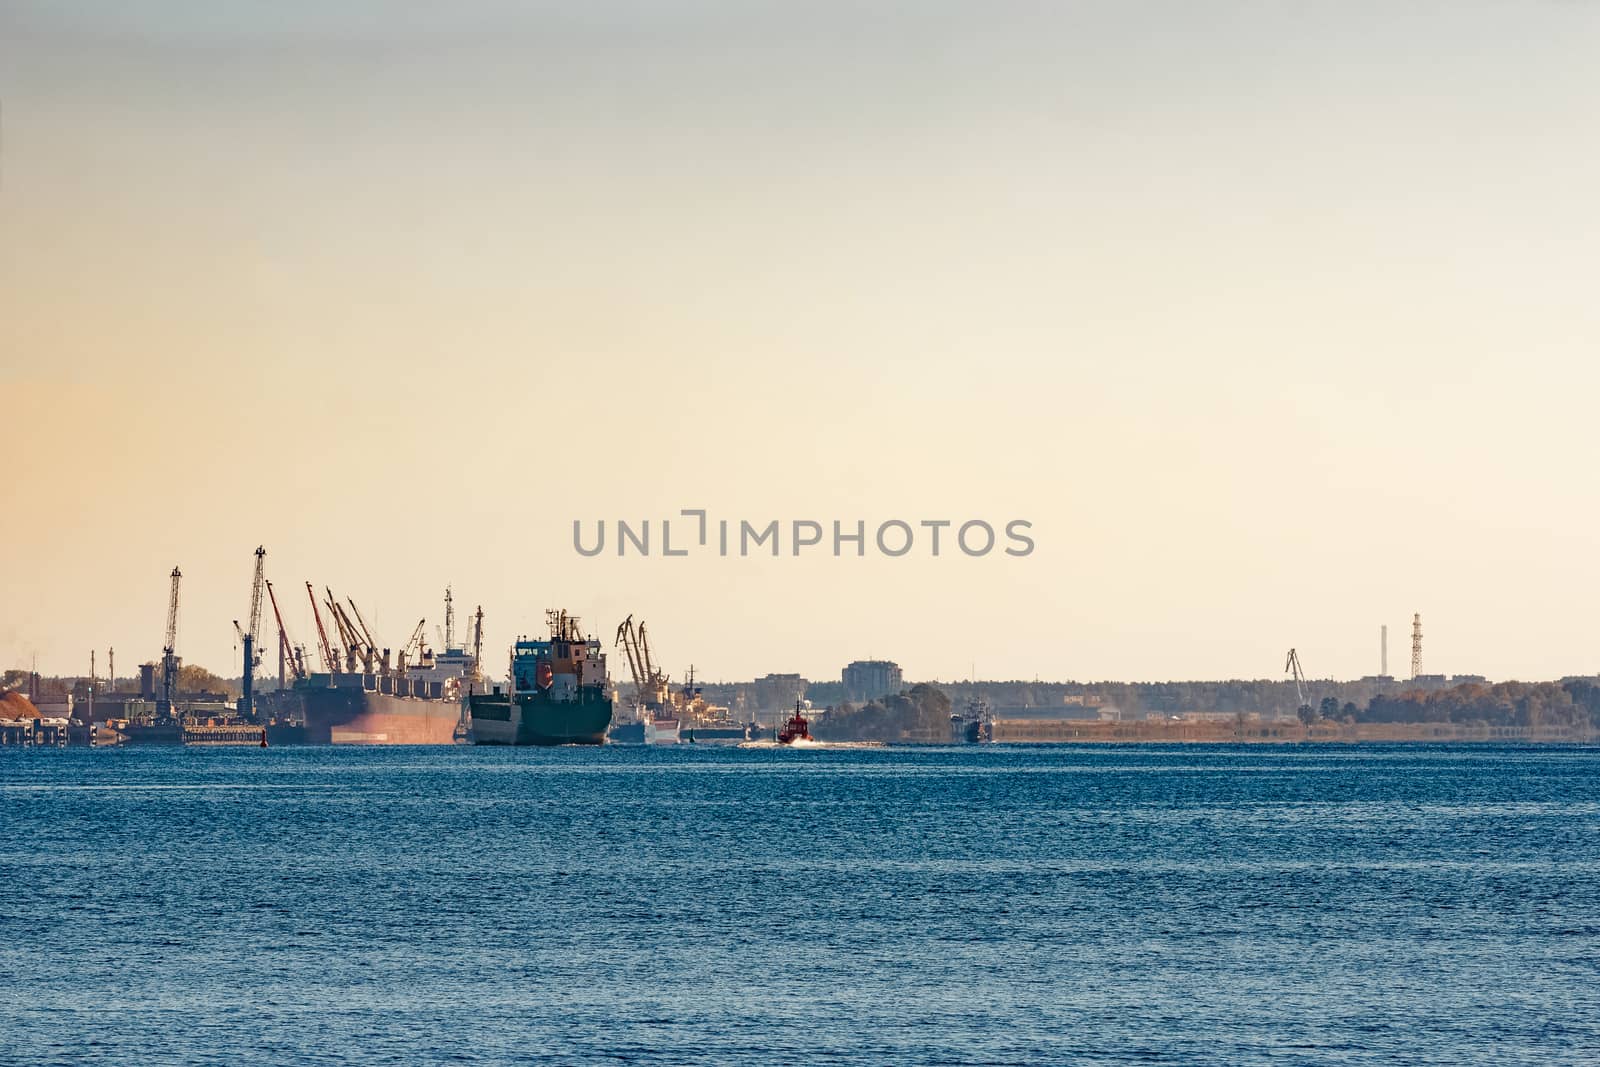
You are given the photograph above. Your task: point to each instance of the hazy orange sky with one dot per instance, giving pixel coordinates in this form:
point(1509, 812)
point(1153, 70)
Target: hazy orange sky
point(1276, 320)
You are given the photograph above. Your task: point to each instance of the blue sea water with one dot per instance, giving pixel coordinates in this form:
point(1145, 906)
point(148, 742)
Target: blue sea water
point(995, 905)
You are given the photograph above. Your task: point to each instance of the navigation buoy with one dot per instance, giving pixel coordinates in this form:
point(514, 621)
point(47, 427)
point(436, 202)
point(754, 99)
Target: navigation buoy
point(263, 737)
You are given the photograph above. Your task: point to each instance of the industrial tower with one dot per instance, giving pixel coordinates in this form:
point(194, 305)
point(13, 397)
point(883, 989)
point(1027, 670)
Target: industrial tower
point(1416, 645)
point(169, 654)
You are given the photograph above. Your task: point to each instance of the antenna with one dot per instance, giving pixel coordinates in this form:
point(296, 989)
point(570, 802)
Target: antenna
point(1383, 656)
point(1416, 645)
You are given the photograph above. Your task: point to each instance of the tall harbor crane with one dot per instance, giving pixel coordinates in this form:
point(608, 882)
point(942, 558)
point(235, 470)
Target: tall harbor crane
point(252, 658)
point(329, 664)
point(169, 653)
point(1291, 666)
point(628, 640)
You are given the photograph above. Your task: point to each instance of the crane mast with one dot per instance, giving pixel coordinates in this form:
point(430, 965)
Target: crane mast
point(252, 659)
point(169, 652)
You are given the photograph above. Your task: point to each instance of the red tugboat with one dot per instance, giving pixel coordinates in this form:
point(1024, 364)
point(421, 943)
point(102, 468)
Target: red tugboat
point(796, 729)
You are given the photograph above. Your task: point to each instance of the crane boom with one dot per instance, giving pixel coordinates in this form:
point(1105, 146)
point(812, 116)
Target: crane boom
point(347, 631)
point(415, 639)
point(254, 629)
point(644, 652)
point(366, 632)
point(355, 649)
point(170, 645)
point(329, 664)
point(283, 635)
point(1291, 667)
point(626, 638)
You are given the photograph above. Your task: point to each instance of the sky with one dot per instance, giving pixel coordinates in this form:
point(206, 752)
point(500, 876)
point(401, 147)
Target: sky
point(1276, 321)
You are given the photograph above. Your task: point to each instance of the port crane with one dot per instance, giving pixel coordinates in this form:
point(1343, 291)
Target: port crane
point(415, 640)
point(285, 646)
point(366, 631)
point(169, 652)
point(1291, 666)
point(356, 652)
point(329, 664)
point(248, 637)
point(650, 685)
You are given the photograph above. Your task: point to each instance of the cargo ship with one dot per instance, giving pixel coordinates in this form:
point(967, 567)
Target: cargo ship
point(558, 692)
point(367, 709)
point(374, 701)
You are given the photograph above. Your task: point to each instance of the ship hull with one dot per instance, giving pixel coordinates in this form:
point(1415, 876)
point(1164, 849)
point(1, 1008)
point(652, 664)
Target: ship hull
point(626, 733)
point(661, 731)
point(716, 734)
point(136, 733)
point(533, 719)
point(353, 716)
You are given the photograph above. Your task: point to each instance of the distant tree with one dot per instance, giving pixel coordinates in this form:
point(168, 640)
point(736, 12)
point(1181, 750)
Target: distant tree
point(922, 712)
point(193, 678)
point(931, 702)
point(1329, 709)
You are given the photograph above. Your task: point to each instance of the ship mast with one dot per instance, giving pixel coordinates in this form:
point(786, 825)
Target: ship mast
point(449, 620)
point(477, 644)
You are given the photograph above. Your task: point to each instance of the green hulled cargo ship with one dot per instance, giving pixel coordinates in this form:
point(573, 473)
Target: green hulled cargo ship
point(559, 693)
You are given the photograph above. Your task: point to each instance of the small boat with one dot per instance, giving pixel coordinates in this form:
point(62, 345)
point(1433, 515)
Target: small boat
point(796, 729)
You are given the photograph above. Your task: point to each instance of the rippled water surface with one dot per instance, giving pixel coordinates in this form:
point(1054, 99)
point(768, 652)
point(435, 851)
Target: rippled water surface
point(1149, 904)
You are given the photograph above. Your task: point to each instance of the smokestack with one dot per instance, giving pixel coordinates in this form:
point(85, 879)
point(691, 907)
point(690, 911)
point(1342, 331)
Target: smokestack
point(1383, 661)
